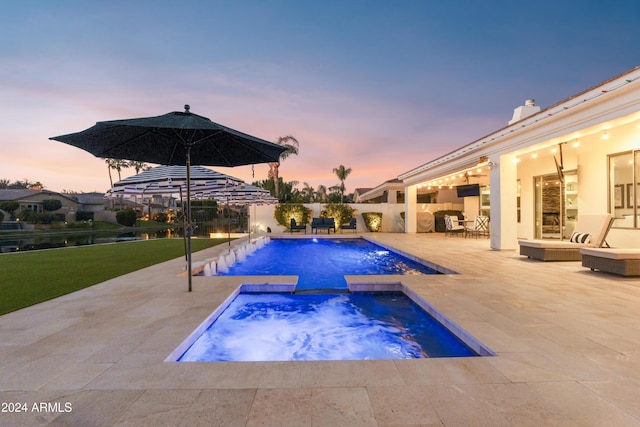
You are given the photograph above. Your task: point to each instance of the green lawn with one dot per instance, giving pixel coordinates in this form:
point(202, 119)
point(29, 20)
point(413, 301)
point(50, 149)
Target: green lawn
point(27, 278)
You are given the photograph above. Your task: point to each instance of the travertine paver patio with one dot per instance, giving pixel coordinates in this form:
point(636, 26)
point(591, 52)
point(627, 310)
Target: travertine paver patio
point(567, 343)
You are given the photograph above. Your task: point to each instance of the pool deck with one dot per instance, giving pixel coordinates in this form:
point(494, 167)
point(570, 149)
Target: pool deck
point(567, 344)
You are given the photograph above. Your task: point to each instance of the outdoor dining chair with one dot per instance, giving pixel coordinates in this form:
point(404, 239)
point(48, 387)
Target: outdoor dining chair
point(452, 226)
point(480, 227)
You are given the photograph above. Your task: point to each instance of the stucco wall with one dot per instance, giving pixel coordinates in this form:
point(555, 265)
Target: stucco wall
point(262, 216)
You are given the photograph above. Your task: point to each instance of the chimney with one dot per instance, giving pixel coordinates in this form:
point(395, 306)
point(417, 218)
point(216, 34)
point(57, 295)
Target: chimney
point(528, 109)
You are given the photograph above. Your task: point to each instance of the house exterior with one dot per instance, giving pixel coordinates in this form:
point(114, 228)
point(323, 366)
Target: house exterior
point(91, 202)
point(547, 166)
point(32, 200)
point(390, 191)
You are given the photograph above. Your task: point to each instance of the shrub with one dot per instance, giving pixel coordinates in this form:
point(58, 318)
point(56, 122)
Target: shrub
point(84, 216)
point(340, 213)
point(205, 210)
point(161, 217)
point(126, 217)
point(285, 211)
point(46, 218)
point(27, 215)
point(373, 220)
point(51, 205)
point(9, 207)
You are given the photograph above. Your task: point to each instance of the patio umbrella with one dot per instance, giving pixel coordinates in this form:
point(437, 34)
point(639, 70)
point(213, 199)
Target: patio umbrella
point(205, 184)
point(177, 138)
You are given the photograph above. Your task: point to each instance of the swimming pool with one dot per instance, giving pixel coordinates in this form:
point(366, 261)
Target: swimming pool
point(381, 319)
point(361, 326)
point(323, 263)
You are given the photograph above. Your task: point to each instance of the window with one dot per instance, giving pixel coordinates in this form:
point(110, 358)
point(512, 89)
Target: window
point(624, 189)
point(556, 205)
point(485, 200)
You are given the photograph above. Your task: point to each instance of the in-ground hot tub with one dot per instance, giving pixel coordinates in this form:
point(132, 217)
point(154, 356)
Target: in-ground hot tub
point(325, 326)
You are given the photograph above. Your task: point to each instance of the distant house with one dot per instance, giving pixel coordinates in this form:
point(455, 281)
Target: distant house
point(357, 194)
point(94, 206)
point(91, 202)
point(32, 200)
point(391, 191)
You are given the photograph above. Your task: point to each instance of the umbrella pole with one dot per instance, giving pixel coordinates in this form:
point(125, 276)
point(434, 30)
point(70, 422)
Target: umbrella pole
point(188, 231)
point(228, 224)
point(184, 225)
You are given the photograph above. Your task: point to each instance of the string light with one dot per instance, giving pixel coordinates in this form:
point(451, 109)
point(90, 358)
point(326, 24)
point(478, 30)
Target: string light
point(450, 180)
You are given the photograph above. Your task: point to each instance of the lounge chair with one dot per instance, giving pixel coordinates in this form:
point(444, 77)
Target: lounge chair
point(625, 262)
point(452, 226)
point(350, 226)
point(296, 227)
point(590, 232)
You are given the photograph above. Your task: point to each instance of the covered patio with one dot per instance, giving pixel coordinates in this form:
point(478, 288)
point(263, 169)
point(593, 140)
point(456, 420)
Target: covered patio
point(547, 166)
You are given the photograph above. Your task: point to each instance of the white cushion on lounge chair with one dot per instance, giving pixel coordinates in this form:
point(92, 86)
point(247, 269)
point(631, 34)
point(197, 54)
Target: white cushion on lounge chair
point(553, 244)
point(612, 253)
point(597, 225)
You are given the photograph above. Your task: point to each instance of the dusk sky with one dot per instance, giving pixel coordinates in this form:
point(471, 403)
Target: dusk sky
point(378, 86)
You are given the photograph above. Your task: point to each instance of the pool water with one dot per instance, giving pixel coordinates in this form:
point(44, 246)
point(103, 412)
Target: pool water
point(362, 326)
point(323, 263)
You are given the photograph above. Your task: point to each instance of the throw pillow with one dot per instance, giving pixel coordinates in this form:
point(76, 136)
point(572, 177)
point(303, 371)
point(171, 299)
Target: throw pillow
point(580, 238)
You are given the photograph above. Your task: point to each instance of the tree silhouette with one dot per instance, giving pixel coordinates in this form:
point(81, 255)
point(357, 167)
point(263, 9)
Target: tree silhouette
point(291, 144)
point(342, 174)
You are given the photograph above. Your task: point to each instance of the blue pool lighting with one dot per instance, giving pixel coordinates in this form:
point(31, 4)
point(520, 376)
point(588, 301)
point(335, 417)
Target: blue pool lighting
point(323, 263)
point(361, 326)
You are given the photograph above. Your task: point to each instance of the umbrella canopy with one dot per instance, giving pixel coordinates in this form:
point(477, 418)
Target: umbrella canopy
point(173, 139)
point(241, 194)
point(175, 175)
point(176, 138)
point(171, 181)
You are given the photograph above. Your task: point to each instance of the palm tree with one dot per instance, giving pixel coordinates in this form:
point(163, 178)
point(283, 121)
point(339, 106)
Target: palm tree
point(334, 194)
point(291, 145)
point(138, 166)
point(119, 165)
point(342, 174)
point(115, 164)
point(307, 192)
point(321, 193)
point(109, 162)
